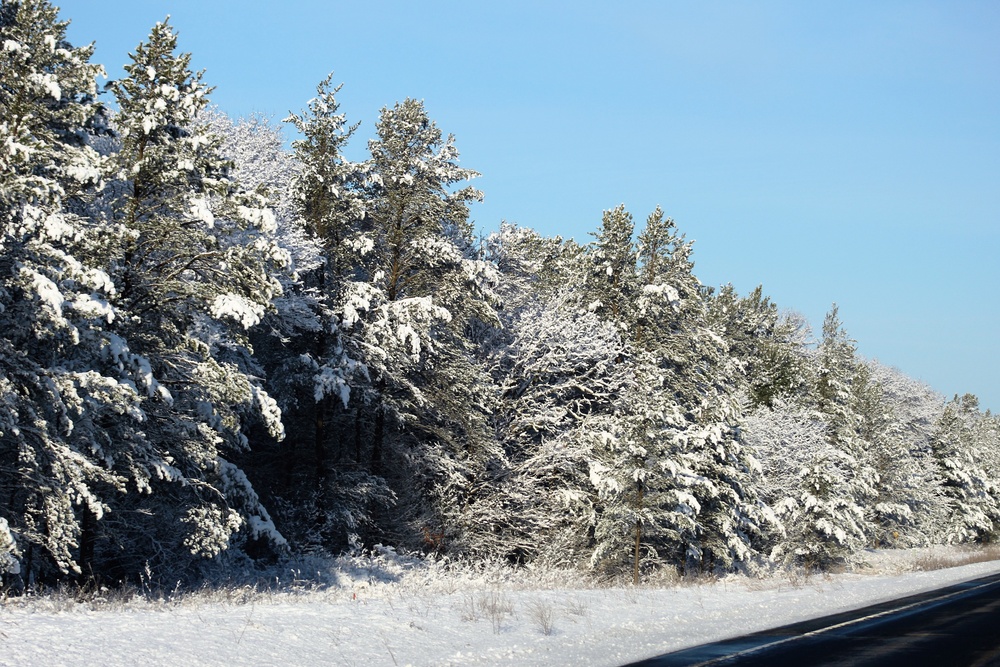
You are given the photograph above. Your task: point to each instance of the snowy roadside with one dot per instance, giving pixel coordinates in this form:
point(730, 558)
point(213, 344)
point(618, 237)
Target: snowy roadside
point(421, 620)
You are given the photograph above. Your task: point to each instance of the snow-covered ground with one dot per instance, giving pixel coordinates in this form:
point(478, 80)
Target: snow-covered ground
point(398, 611)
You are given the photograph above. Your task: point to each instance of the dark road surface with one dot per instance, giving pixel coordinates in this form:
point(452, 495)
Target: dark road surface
point(954, 626)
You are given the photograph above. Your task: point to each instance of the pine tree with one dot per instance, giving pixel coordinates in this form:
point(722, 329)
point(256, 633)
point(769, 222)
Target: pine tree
point(677, 478)
point(629, 466)
point(664, 270)
point(766, 344)
point(703, 379)
point(829, 518)
point(971, 493)
point(828, 523)
point(65, 394)
point(613, 274)
point(897, 464)
point(192, 236)
point(196, 268)
point(328, 358)
point(644, 479)
point(901, 423)
point(428, 298)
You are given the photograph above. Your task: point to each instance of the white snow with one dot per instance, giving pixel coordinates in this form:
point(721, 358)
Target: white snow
point(261, 218)
point(47, 291)
point(238, 308)
point(44, 80)
point(398, 611)
point(200, 208)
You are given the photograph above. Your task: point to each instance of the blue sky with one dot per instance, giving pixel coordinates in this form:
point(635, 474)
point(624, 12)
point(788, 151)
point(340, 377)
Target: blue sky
point(841, 152)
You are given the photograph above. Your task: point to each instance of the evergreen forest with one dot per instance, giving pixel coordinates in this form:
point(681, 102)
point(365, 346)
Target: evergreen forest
point(219, 352)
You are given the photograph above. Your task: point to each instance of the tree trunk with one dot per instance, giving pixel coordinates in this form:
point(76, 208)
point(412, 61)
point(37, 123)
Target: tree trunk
point(88, 542)
point(321, 459)
point(378, 437)
point(357, 437)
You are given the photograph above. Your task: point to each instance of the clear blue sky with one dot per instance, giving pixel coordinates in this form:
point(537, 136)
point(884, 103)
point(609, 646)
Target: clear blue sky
point(831, 151)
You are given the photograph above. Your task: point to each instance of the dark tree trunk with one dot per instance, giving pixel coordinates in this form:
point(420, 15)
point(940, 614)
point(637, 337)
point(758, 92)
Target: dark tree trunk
point(88, 543)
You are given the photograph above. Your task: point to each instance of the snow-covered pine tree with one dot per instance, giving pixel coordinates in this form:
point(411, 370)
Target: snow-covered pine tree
point(324, 363)
point(196, 268)
point(897, 463)
point(644, 482)
point(828, 521)
point(64, 397)
point(971, 493)
point(428, 297)
point(633, 447)
point(987, 437)
point(715, 471)
point(677, 477)
point(612, 277)
point(767, 345)
point(908, 472)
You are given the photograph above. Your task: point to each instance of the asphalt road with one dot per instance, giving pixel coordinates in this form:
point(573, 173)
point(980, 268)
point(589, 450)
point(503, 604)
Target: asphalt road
point(951, 627)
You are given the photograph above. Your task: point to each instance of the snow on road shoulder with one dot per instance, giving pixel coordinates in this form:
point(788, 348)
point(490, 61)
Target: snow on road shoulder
point(463, 622)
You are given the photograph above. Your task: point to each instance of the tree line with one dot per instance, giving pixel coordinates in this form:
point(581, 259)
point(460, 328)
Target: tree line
point(214, 350)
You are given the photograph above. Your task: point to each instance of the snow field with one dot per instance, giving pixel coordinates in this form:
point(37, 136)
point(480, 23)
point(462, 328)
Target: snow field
point(400, 615)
